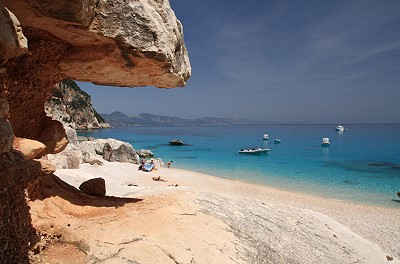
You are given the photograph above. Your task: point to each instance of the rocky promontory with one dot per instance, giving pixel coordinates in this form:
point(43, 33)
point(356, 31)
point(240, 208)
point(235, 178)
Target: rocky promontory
point(73, 107)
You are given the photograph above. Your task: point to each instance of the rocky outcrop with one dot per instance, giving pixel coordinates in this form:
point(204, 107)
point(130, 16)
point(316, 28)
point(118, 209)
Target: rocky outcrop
point(121, 43)
point(73, 107)
point(108, 149)
point(94, 152)
point(124, 43)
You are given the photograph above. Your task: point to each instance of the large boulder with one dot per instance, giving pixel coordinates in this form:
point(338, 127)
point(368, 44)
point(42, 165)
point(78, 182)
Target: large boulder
point(119, 150)
point(70, 158)
point(29, 148)
point(96, 186)
point(124, 153)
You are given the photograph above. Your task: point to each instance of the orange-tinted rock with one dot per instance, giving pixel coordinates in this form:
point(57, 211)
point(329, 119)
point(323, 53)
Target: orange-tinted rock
point(28, 147)
point(121, 43)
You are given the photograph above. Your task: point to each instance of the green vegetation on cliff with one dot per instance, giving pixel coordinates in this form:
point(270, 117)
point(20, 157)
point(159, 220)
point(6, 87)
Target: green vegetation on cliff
point(73, 107)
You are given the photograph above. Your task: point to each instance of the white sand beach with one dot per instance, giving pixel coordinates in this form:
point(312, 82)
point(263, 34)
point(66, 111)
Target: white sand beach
point(190, 217)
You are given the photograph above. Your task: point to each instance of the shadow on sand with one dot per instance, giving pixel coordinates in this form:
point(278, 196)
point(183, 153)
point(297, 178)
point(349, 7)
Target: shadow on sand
point(53, 186)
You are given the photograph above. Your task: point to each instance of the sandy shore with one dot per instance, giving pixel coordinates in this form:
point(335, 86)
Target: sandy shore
point(195, 218)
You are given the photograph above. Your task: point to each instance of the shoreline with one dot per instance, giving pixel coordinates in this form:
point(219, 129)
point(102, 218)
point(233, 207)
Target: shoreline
point(240, 205)
point(393, 204)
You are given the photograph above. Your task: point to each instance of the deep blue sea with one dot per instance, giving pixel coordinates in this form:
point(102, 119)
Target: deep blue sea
point(361, 165)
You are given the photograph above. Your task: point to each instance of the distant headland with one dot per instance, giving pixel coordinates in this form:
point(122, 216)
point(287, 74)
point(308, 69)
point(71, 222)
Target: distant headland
point(120, 119)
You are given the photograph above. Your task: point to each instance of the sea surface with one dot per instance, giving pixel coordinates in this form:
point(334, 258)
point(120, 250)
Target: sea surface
point(362, 164)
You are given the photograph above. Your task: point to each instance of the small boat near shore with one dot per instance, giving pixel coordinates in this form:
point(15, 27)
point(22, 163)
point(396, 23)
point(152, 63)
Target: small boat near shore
point(277, 141)
point(254, 150)
point(265, 137)
point(176, 142)
point(325, 142)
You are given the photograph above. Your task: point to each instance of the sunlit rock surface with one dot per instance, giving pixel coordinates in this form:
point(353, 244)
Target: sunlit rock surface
point(42, 42)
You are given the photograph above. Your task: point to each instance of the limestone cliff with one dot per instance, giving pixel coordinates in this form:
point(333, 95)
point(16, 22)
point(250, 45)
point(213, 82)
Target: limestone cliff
point(118, 43)
point(73, 107)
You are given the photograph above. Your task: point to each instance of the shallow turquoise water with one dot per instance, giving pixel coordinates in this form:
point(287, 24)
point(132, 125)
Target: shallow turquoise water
point(362, 164)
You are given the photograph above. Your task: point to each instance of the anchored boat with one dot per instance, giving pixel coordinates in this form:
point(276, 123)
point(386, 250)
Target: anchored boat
point(176, 142)
point(325, 142)
point(253, 150)
point(277, 141)
point(340, 128)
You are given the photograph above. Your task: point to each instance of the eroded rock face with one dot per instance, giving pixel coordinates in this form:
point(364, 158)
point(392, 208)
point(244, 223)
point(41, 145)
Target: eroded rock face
point(12, 40)
point(121, 43)
point(124, 43)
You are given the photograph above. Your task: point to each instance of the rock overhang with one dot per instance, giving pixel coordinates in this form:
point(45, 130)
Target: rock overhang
point(115, 43)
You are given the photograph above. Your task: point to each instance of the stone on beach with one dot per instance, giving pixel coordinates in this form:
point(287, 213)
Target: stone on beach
point(96, 186)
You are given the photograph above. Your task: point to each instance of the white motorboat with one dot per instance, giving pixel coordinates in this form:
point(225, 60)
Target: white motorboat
point(265, 137)
point(325, 142)
point(277, 141)
point(253, 150)
point(339, 128)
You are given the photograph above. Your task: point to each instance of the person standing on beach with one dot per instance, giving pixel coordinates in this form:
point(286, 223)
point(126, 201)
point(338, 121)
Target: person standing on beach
point(169, 163)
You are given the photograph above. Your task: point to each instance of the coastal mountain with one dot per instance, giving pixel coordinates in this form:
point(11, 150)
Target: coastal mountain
point(120, 119)
point(73, 107)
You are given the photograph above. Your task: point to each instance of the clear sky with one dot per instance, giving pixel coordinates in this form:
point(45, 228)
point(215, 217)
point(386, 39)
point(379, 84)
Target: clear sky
point(331, 61)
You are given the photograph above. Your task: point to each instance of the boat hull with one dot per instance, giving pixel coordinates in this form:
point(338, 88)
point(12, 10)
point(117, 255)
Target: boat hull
point(175, 142)
point(252, 152)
